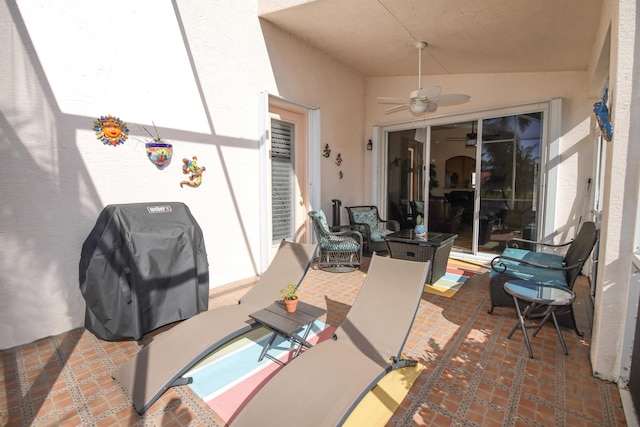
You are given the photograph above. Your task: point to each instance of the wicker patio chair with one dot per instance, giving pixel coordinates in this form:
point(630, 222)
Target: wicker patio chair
point(339, 251)
point(367, 221)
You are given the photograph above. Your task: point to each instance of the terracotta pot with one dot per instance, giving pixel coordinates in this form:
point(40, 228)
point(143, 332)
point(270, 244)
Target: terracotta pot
point(290, 305)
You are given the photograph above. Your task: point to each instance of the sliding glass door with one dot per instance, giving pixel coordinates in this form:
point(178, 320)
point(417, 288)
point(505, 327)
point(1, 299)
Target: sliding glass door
point(485, 202)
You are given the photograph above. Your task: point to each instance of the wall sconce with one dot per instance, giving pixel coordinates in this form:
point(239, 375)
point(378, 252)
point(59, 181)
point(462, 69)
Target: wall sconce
point(472, 138)
point(369, 145)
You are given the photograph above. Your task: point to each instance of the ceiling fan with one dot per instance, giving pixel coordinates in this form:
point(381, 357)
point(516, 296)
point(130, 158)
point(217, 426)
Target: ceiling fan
point(423, 100)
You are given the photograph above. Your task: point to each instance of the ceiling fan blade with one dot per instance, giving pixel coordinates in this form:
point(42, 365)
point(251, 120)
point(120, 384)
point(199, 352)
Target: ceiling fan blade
point(452, 98)
point(398, 108)
point(392, 100)
point(431, 107)
point(429, 92)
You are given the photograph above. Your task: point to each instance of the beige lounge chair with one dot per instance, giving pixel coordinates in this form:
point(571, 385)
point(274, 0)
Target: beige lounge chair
point(162, 362)
point(324, 384)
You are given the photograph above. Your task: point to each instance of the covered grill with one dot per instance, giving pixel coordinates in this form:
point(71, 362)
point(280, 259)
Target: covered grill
point(143, 265)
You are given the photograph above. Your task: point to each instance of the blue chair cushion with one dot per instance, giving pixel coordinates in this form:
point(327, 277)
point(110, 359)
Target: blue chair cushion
point(323, 220)
point(537, 257)
point(529, 272)
point(340, 243)
point(369, 217)
point(377, 234)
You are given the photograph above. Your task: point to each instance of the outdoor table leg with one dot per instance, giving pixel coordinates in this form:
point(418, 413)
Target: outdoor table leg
point(551, 313)
point(302, 341)
point(520, 321)
point(268, 346)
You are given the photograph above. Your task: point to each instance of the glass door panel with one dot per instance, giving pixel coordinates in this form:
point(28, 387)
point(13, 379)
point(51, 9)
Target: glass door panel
point(509, 180)
point(405, 174)
point(506, 181)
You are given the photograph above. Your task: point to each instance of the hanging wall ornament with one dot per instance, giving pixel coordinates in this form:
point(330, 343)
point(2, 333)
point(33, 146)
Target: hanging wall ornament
point(191, 168)
point(340, 174)
point(339, 159)
point(327, 151)
point(110, 130)
point(602, 116)
point(159, 152)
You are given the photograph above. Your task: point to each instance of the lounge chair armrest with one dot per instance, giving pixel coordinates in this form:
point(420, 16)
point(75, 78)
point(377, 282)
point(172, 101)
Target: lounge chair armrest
point(339, 228)
point(358, 226)
point(513, 243)
point(355, 234)
point(500, 267)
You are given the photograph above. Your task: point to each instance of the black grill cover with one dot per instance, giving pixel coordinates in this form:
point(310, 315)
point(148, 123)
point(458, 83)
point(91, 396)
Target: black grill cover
point(143, 265)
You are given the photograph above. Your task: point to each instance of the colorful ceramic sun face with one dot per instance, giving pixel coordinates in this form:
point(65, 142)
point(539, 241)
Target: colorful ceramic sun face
point(110, 130)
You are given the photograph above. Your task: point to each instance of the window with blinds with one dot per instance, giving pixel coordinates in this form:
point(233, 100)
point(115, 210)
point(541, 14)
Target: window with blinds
point(282, 180)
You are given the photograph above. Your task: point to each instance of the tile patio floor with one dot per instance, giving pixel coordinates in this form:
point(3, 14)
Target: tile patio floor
point(474, 376)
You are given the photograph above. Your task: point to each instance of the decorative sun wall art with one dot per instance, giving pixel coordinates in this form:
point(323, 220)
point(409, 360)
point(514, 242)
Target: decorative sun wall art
point(110, 130)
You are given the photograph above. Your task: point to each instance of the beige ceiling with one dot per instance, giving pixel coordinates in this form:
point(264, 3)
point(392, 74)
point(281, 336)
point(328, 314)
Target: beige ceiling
point(378, 37)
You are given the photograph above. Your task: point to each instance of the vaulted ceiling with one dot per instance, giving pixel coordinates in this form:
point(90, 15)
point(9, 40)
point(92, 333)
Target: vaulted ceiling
point(378, 37)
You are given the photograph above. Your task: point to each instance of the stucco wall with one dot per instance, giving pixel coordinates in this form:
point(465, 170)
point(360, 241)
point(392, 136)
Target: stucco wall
point(196, 71)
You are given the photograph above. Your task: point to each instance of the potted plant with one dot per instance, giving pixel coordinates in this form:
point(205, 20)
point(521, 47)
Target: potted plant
point(290, 297)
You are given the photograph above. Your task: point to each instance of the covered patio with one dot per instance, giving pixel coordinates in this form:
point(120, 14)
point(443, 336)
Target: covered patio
point(473, 375)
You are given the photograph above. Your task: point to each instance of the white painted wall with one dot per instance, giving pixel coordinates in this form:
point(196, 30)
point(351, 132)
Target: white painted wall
point(196, 71)
point(616, 300)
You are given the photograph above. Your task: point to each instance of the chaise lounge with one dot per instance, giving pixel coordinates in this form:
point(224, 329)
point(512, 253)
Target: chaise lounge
point(161, 364)
point(324, 384)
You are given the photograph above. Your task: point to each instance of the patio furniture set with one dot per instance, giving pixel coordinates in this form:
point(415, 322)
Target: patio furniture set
point(341, 247)
point(365, 339)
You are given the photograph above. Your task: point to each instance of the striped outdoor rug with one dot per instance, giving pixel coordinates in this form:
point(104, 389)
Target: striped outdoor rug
point(457, 274)
point(230, 376)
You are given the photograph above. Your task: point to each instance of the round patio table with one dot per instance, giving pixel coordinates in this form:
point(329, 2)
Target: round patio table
point(538, 294)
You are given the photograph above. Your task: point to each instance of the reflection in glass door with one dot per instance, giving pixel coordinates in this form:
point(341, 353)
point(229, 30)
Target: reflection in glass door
point(405, 175)
point(509, 180)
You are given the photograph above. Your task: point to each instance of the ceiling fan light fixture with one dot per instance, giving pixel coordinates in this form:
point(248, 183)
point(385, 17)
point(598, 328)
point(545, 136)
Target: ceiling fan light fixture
point(419, 107)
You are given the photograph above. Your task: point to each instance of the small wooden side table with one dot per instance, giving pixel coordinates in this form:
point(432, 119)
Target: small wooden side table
point(276, 318)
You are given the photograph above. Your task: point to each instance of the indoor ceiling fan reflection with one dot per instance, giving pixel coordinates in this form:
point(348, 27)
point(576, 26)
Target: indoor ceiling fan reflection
point(423, 100)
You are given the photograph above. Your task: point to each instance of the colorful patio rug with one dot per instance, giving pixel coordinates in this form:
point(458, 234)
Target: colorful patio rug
point(228, 378)
point(457, 274)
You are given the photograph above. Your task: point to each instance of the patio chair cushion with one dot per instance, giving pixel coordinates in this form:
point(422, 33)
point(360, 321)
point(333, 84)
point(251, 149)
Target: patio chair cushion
point(530, 272)
point(551, 260)
point(333, 242)
point(370, 217)
point(323, 220)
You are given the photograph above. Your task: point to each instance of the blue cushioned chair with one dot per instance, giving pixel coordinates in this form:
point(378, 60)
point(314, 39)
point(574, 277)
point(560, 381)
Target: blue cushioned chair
point(516, 263)
point(338, 251)
point(367, 221)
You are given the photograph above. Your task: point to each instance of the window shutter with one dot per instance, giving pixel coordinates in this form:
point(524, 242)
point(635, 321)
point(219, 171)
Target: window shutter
point(282, 180)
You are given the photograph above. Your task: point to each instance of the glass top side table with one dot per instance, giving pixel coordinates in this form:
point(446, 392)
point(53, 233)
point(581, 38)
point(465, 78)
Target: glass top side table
point(538, 294)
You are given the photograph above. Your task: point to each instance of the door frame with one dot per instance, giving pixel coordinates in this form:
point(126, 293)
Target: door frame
point(552, 130)
point(307, 157)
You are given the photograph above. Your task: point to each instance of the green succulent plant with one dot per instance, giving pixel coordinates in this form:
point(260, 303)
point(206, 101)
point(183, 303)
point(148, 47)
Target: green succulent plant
point(290, 292)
